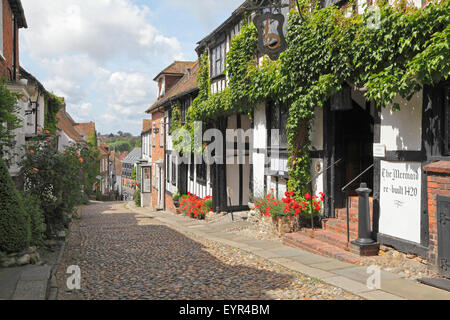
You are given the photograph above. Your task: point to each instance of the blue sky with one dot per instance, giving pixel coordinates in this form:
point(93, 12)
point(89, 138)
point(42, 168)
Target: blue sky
point(102, 55)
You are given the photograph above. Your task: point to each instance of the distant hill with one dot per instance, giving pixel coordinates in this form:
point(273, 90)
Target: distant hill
point(125, 142)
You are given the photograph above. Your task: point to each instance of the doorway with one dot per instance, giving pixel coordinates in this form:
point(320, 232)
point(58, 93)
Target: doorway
point(348, 141)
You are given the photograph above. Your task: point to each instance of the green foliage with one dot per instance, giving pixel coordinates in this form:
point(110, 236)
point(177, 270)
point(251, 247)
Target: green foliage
point(52, 106)
point(406, 49)
point(15, 231)
point(33, 208)
point(8, 110)
point(57, 178)
point(137, 197)
point(133, 174)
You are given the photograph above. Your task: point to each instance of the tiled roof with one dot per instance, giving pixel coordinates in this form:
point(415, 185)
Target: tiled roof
point(85, 129)
point(178, 67)
point(104, 149)
point(184, 86)
point(17, 9)
point(118, 166)
point(133, 157)
point(146, 125)
point(66, 124)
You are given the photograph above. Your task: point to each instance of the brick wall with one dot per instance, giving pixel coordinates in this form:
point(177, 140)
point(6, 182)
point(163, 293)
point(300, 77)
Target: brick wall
point(6, 62)
point(169, 204)
point(438, 185)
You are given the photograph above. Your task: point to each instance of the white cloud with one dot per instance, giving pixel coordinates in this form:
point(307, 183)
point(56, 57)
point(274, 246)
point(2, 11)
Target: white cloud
point(105, 51)
point(102, 29)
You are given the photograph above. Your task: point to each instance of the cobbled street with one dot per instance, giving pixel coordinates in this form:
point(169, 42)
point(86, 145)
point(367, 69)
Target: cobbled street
point(124, 256)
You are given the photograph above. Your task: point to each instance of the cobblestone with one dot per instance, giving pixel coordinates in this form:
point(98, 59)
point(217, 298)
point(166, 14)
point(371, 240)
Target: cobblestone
point(127, 256)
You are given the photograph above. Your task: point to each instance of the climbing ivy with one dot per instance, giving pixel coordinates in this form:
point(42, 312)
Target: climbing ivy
point(390, 50)
point(52, 106)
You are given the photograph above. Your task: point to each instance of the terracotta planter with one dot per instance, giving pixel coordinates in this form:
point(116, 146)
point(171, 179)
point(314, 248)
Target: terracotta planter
point(286, 224)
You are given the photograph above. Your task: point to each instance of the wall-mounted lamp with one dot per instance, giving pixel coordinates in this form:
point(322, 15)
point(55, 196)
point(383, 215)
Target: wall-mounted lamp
point(155, 130)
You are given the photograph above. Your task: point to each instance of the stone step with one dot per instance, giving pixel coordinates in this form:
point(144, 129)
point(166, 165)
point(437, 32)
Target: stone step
point(306, 243)
point(341, 214)
point(340, 227)
point(330, 237)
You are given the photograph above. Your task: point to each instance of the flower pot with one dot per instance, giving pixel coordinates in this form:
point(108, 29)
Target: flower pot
point(176, 203)
point(251, 206)
point(286, 224)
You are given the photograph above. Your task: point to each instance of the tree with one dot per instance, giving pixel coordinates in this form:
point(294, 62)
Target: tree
point(15, 230)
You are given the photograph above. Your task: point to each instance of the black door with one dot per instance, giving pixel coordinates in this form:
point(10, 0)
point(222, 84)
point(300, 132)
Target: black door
point(443, 221)
point(348, 138)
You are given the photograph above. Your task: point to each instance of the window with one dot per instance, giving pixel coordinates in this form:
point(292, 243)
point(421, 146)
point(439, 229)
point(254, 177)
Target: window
point(201, 173)
point(168, 169)
point(174, 172)
point(184, 108)
point(154, 136)
point(277, 120)
point(218, 60)
point(161, 141)
point(147, 180)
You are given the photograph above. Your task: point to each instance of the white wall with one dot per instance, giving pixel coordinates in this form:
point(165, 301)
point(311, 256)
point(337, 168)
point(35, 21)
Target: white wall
point(402, 130)
point(317, 130)
point(64, 141)
point(259, 141)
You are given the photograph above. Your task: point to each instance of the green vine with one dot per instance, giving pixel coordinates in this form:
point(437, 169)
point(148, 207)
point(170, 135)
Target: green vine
point(52, 106)
point(390, 50)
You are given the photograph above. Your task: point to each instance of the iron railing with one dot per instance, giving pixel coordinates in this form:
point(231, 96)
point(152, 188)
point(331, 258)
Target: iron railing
point(344, 190)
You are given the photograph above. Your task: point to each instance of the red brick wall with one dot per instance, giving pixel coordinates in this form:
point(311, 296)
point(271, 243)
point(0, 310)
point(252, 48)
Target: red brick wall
point(438, 184)
point(6, 62)
point(169, 204)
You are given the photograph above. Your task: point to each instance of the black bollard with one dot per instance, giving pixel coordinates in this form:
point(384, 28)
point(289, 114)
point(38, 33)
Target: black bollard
point(365, 245)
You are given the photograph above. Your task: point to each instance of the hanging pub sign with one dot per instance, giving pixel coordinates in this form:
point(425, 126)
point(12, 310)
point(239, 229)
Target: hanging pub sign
point(269, 22)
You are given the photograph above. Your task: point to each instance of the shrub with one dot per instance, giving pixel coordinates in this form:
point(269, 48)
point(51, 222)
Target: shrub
point(32, 206)
point(137, 197)
point(15, 231)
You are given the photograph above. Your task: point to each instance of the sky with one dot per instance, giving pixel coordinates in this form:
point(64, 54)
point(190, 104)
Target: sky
point(103, 55)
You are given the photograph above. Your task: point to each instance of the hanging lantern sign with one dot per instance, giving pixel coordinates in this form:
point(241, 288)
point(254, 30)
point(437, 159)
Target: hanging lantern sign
point(269, 22)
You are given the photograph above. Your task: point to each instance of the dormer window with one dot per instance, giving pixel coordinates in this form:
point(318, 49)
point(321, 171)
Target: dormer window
point(162, 87)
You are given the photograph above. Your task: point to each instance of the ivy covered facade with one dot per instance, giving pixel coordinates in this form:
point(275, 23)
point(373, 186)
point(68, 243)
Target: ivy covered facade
point(360, 95)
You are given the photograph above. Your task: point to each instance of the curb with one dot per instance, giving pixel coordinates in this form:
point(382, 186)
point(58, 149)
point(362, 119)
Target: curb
point(52, 287)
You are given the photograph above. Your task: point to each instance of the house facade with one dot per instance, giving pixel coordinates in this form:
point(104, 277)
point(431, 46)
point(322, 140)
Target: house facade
point(105, 169)
point(402, 156)
point(146, 163)
point(168, 175)
point(130, 164)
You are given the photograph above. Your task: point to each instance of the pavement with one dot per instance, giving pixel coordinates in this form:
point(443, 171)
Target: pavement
point(349, 277)
point(25, 283)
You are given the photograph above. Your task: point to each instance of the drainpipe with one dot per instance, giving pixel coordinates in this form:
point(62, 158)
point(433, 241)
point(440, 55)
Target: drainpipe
point(165, 164)
point(15, 49)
